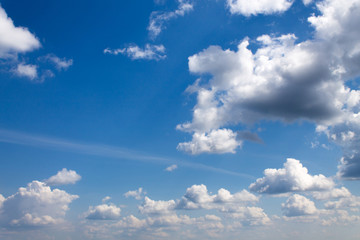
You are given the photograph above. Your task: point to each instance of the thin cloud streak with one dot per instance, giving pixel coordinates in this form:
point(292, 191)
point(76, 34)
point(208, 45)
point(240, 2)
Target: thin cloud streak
point(18, 138)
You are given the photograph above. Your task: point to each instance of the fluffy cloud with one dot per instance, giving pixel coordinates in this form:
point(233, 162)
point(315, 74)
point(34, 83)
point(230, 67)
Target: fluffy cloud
point(64, 177)
point(27, 70)
point(103, 212)
point(157, 207)
point(35, 205)
point(217, 141)
point(292, 178)
point(137, 194)
point(197, 197)
point(298, 205)
point(158, 19)
point(284, 80)
point(150, 52)
point(255, 7)
point(345, 202)
point(333, 193)
point(13, 39)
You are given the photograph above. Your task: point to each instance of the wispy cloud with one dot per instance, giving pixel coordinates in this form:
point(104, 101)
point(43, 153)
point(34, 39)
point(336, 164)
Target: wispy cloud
point(149, 52)
point(19, 138)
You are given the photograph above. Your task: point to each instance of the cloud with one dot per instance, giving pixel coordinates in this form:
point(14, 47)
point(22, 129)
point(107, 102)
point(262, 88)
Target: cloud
point(333, 193)
point(137, 194)
point(35, 205)
point(307, 2)
point(105, 199)
point(64, 177)
point(152, 207)
point(60, 64)
point(292, 178)
point(298, 205)
point(217, 141)
point(150, 52)
point(14, 40)
point(256, 7)
point(171, 168)
point(158, 19)
point(344, 202)
point(27, 70)
point(103, 212)
point(284, 80)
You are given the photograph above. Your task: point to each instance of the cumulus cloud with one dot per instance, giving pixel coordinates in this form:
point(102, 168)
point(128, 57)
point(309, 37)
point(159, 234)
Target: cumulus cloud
point(171, 168)
point(158, 19)
point(292, 178)
point(13, 39)
point(103, 212)
point(64, 177)
point(217, 141)
point(298, 205)
point(157, 207)
point(35, 205)
point(256, 7)
point(285, 80)
point(137, 194)
point(134, 52)
point(333, 193)
point(344, 202)
point(27, 70)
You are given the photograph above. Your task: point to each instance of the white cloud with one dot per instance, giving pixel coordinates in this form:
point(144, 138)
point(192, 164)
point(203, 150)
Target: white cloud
point(157, 207)
point(333, 193)
point(64, 177)
point(105, 199)
point(292, 178)
point(150, 52)
point(307, 2)
point(256, 7)
point(158, 19)
point(60, 64)
point(35, 205)
point(103, 212)
point(13, 39)
point(286, 80)
point(217, 141)
point(298, 205)
point(171, 168)
point(137, 194)
point(27, 70)
point(345, 202)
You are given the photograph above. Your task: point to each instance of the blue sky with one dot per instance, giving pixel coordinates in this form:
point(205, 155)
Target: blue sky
point(183, 119)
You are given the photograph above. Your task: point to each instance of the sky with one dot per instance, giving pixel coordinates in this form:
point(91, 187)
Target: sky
point(181, 119)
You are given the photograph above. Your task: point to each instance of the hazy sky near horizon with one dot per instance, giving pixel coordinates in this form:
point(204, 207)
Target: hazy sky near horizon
point(181, 119)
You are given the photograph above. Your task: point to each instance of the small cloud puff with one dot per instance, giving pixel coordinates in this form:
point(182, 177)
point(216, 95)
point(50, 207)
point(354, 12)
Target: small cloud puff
point(64, 177)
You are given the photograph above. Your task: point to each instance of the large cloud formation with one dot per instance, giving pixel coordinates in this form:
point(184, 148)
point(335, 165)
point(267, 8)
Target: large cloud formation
point(283, 80)
point(35, 205)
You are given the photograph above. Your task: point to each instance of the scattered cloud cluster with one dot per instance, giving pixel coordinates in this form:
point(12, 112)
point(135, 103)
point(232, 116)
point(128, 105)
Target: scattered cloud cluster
point(255, 7)
point(284, 80)
point(298, 205)
point(19, 40)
